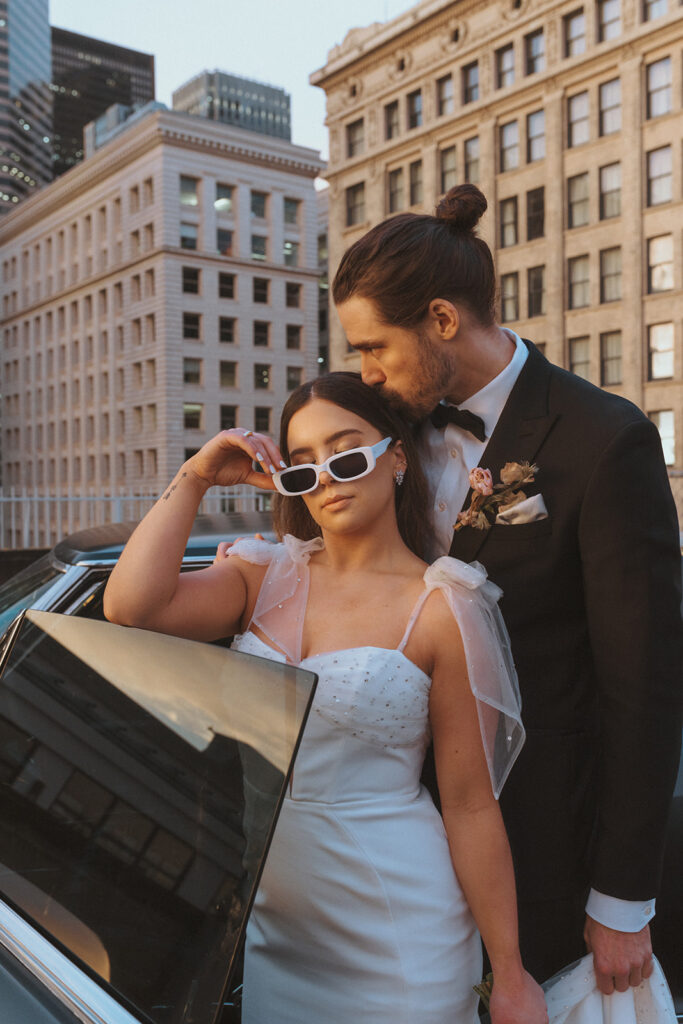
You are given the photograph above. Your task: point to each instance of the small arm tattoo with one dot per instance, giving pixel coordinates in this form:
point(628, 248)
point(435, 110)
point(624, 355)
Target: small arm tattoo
point(172, 488)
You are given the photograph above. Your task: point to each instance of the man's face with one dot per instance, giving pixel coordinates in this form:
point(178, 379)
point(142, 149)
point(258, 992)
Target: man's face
point(406, 366)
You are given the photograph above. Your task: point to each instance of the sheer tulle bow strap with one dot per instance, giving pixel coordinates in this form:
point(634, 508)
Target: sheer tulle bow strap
point(473, 600)
point(281, 603)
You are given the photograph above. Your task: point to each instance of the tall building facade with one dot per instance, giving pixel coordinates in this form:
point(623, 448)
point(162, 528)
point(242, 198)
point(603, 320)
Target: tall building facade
point(241, 102)
point(88, 76)
point(25, 100)
point(163, 289)
point(569, 117)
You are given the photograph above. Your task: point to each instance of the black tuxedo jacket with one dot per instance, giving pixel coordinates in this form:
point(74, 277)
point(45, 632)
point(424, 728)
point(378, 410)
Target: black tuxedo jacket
point(592, 601)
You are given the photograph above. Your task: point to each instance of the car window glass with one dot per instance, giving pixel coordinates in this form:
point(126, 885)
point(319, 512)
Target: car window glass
point(24, 589)
point(142, 775)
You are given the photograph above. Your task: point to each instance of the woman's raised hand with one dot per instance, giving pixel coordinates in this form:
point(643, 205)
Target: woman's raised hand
point(226, 460)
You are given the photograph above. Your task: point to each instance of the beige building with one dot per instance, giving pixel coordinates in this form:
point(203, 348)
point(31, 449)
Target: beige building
point(569, 117)
point(165, 288)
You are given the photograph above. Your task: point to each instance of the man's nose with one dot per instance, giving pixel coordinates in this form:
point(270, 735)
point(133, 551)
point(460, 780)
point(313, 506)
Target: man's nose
point(371, 374)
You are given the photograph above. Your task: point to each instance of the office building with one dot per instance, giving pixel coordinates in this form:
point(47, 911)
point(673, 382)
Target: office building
point(241, 102)
point(569, 117)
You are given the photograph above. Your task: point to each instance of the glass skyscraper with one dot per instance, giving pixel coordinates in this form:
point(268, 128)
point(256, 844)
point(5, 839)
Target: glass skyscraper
point(25, 100)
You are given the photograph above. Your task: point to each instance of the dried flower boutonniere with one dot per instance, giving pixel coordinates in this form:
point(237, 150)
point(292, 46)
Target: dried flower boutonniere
point(484, 990)
point(489, 499)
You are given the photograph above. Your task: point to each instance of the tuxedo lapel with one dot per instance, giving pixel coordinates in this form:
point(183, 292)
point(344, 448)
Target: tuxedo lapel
point(523, 426)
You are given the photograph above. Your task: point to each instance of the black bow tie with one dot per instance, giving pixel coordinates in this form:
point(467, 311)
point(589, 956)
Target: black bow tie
point(444, 414)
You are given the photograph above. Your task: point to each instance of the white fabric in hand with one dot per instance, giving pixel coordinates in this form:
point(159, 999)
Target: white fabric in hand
point(573, 997)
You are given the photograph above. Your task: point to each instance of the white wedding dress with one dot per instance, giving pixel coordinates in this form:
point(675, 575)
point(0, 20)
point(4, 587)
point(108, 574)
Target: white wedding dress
point(359, 915)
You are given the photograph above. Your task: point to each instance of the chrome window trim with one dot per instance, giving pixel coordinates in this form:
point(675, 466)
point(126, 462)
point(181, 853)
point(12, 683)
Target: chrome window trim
point(67, 982)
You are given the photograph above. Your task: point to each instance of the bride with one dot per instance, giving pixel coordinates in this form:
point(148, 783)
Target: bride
point(371, 904)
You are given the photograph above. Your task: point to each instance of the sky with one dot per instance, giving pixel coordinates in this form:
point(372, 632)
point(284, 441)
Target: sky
point(275, 41)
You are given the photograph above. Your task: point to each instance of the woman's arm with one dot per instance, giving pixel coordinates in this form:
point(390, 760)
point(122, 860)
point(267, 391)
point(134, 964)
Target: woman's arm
point(146, 587)
point(474, 825)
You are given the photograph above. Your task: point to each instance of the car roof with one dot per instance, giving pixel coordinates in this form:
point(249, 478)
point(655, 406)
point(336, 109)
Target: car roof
point(103, 544)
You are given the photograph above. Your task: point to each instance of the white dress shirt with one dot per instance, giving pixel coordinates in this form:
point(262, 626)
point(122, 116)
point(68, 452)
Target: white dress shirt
point(448, 455)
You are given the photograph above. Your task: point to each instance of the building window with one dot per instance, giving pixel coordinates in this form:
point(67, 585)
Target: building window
point(536, 291)
point(659, 176)
point(259, 244)
point(189, 234)
point(444, 95)
point(228, 417)
point(574, 33)
point(448, 169)
point(226, 329)
point(223, 201)
point(535, 136)
point(660, 264)
point(661, 351)
point(294, 375)
point(472, 160)
point(262, 419)
point(258, 204)
point(261, 289)
point(224, 241)
point(577, 117)
point(610, 191)
point(664, 422)
point(580, 357)
point(191, 280)
point(396, 190)
point(610, 107)
point(293, 337)
point(291, 210)
point(192, 416)
point(470, 82)
point(535, 213)
point(292, 295)
point(355, 137)
point(659, 87)
point(579, 292)
point(505, 66)
point(189, 194)
point(509, 297)
point(261, 333)
point(610, 274)
point(415, 109)
point(391, 124)
point(653, 9)
point(290, 254)
point(415, 182)
point(610, 359)
point(226, 286)
point(192, 326)
point(509, 146)
point(192, 371)
point(508, 222)
point(228, 373)
point(609, 19)
point(261, 376)
point(534, 52)
point(355, 204)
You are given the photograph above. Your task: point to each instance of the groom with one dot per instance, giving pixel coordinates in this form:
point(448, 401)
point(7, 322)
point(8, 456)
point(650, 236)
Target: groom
point(590, 574)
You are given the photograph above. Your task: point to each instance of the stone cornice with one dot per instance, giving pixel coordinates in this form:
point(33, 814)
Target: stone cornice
point(158, 128)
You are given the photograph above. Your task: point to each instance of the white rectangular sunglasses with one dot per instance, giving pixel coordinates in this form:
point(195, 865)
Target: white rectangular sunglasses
point(351, 465)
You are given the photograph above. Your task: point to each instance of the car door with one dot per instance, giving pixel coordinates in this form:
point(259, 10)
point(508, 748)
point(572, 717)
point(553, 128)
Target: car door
point(140, 780)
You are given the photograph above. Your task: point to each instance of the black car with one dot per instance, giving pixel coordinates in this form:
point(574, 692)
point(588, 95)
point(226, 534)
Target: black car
point(141, 808)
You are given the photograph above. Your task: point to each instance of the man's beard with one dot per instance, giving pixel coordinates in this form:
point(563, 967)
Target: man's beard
point(427, 386)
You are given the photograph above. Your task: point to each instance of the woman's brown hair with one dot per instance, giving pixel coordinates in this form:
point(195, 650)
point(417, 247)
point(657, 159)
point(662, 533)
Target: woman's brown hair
point(348, 391)
point(408, 260)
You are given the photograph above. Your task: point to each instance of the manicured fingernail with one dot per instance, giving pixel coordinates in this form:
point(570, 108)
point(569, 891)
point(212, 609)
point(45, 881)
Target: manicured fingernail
point(272, 468)
point(283, 464)
point(259, 457)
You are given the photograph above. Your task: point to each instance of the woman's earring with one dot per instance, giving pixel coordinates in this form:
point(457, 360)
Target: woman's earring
point(399, 475)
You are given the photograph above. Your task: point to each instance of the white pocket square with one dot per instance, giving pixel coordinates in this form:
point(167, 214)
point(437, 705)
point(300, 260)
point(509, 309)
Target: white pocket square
point(527, 511)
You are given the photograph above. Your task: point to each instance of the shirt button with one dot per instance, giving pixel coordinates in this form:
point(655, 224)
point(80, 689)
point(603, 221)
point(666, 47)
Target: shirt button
point(442, 506)
point(454, 453)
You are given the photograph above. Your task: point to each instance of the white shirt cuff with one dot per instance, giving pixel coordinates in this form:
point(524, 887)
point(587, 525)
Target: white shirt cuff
point(621, 915)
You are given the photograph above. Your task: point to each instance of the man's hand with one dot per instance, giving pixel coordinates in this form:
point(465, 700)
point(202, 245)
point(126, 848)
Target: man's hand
point(620, 958)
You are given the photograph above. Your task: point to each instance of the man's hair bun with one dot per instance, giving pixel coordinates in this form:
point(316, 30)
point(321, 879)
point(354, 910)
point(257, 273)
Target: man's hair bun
point(462, 207)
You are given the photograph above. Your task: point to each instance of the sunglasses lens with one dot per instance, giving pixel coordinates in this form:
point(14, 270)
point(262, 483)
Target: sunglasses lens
point(348, 466)
point(296, 481)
